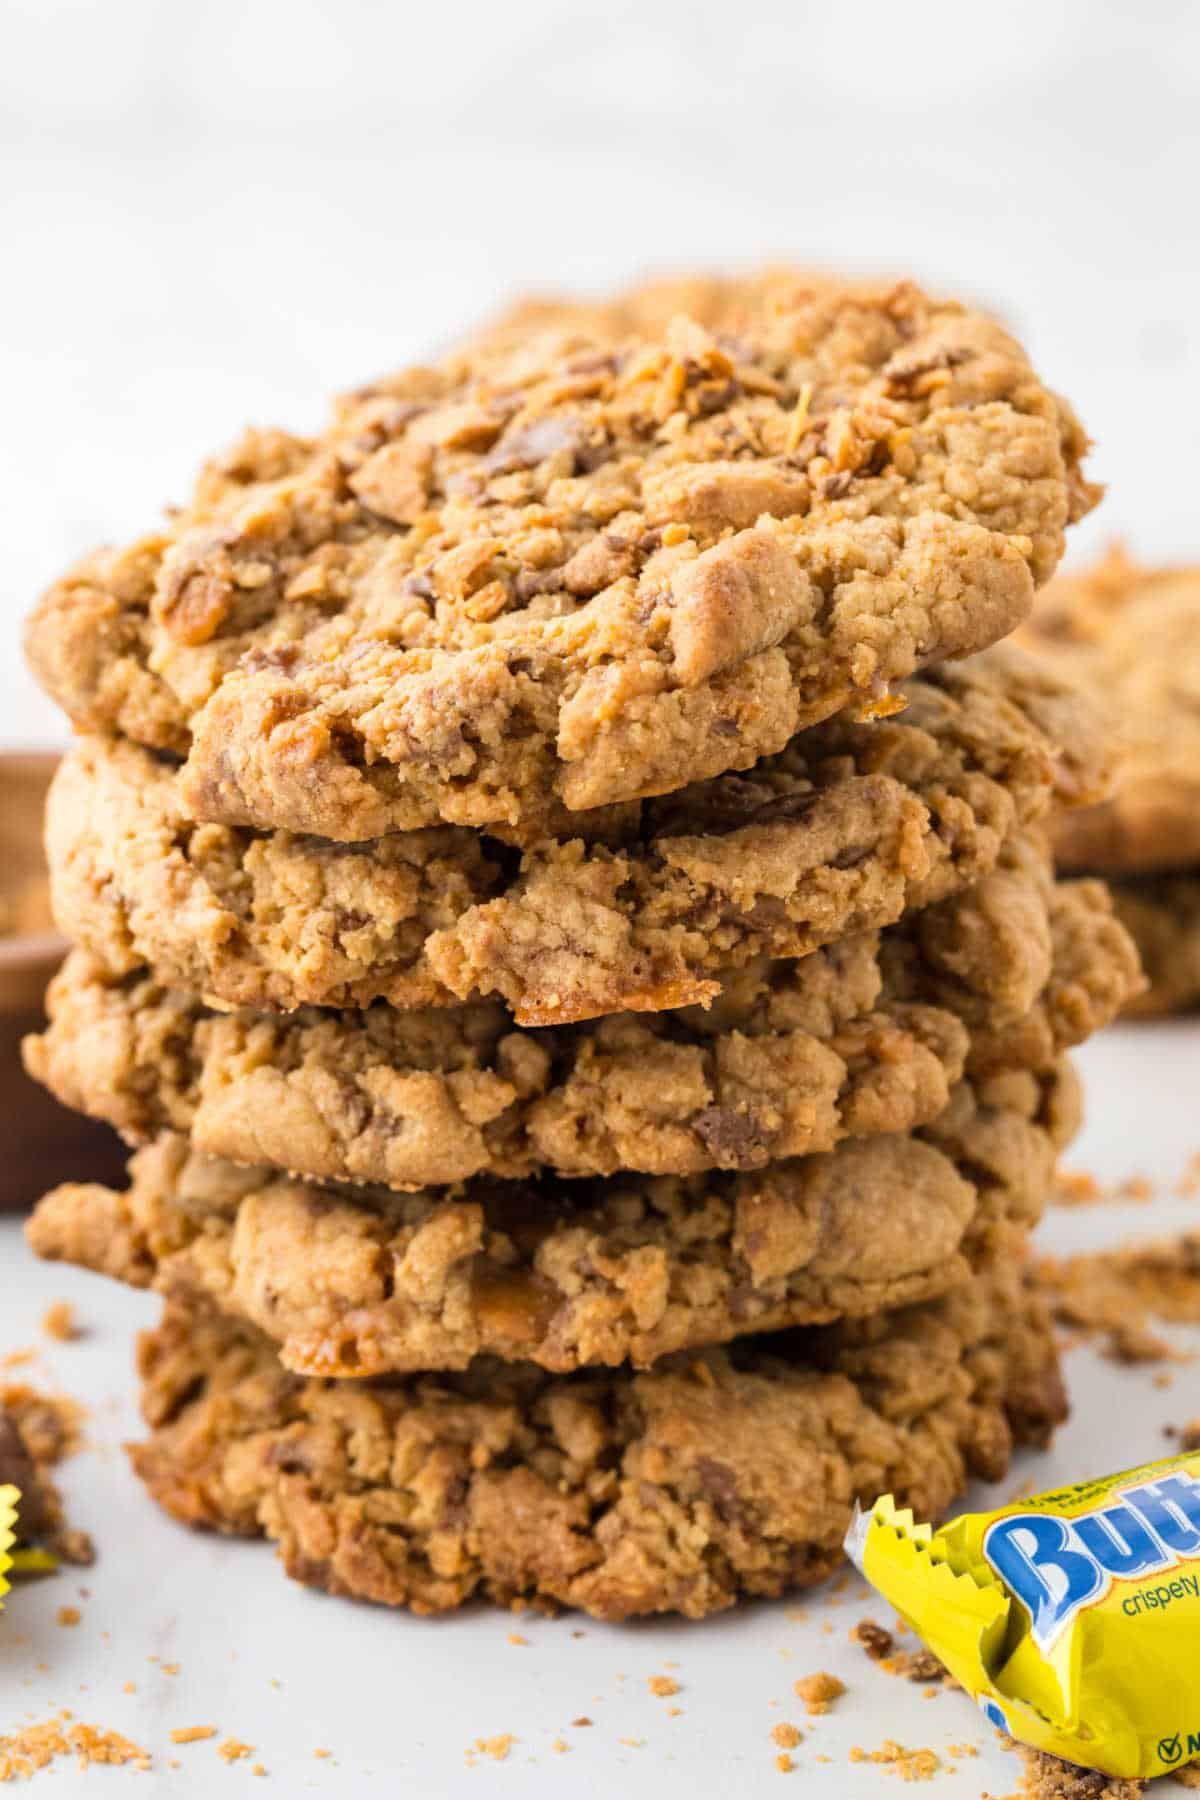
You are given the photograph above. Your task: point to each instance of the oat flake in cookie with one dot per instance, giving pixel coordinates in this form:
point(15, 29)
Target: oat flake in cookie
point(524, 581)
point(715, 1474)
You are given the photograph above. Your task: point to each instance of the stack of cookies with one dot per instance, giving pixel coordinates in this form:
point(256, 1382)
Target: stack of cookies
point(579, 960)
point(1133, 636)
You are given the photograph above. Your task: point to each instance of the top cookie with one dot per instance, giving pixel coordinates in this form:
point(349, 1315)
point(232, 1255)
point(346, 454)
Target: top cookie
point(1135, 635)
point(556, 571)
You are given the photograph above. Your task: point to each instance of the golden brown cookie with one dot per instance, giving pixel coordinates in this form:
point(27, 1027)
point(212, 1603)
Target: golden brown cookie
point(727, 305)
point(531, 579)
point(714, 1475)
point(845, 830)
point(1133, 635)
point(864, 1036)
point(362, 1281)
point(1162, 915)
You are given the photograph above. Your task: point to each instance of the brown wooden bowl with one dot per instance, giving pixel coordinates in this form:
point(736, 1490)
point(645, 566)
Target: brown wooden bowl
point(41, 1142)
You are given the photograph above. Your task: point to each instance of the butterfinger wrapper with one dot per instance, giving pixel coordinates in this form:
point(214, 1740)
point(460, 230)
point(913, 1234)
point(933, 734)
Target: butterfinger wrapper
point(8, 1534)
point(1072, 1619)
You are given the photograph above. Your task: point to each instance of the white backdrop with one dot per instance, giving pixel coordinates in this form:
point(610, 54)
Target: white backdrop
point(215, 214)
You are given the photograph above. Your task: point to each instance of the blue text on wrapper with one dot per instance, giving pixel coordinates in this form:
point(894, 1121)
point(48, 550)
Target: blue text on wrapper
point(1057, 1566)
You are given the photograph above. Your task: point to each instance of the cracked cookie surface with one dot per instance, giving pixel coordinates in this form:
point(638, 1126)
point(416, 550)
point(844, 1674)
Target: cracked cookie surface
point(527, 580)
point(1133, 635)
point(864, 1036)
point(564, 1274)
point(845, 830)
point(714, 1475)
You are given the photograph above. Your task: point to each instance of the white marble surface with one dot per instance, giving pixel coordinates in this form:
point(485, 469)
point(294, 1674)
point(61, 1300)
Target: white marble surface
point(221, 213)
point(399, 1701)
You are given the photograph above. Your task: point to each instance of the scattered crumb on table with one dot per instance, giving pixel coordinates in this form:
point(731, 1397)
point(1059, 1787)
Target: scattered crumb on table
point(818, 1692)
point(33, 1747)
point(59, 1321)
point(910, 1765)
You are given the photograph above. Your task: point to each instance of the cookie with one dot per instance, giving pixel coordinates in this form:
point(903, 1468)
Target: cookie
point(864, 1036)
point(844, 831)
point(1162, 915)
point(795, 1057)
point(1133, 634)
point(725, 304)
point(520, 582)
point(714, 1475)
point(361, 1281)
point(1057, 972)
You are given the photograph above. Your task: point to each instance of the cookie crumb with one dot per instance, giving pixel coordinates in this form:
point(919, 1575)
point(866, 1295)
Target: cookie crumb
point(68, 1615)
point(663, 1686)
point(1188, 1188)
point(560, 1747)
point(192, 1734)
point(34, 1747)
point(1049, 1778)
point(581, 1722)
point(787, 1736)
point(916, 1665)
point(1114, 1293)
point(910, 1765)
point(818, 1692)
point(1077, 1187)
point(233, 1750)
point(496, 1747)
point(784, 1763)
point(322, 1754)
point(514, 1637)
point(59, 1322)
point(874, 1639)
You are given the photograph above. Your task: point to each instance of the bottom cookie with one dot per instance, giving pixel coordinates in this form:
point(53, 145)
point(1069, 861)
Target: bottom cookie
point(1162, 915)
point(718, 1474)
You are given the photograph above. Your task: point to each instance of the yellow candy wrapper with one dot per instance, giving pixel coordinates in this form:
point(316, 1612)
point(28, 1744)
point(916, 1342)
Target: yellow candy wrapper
point(1072, 1619)
point(8, 1533)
